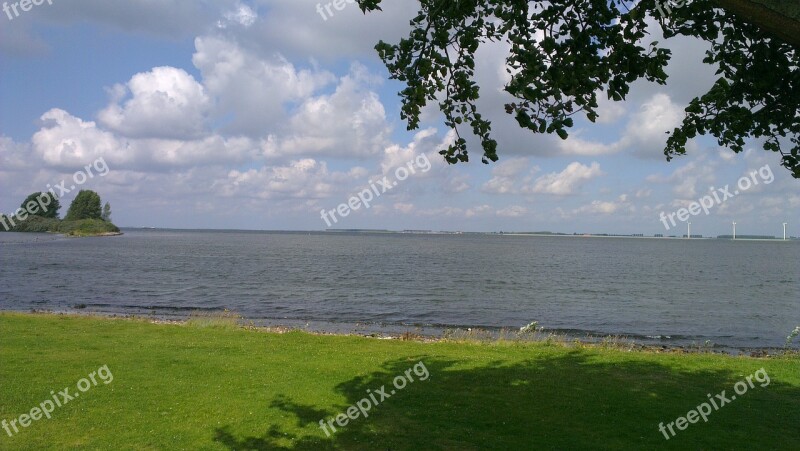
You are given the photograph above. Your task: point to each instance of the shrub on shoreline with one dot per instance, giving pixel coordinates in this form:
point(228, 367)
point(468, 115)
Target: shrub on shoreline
point(83, 227)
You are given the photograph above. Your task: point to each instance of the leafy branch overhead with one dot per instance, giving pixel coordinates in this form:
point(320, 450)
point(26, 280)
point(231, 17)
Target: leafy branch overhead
point(565, 53)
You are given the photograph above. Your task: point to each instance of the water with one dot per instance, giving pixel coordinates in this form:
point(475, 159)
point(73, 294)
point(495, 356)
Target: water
point(676, 292)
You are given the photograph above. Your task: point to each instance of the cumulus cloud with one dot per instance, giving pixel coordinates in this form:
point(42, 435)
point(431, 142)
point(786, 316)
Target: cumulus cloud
point(567, 181)
point(251, 93)
point(241, 14)
point(68, 141)
point(349, 122)
point(574, 145)
point(165, 102)
point(297, 27)
point(598, 207)
point(456, 184)
point(395, 155)
point(301, 179)
point(609, 111)
point(511, 176)
point(644, 135)
point(646, 132)
point(285, 113)
point(689, 179)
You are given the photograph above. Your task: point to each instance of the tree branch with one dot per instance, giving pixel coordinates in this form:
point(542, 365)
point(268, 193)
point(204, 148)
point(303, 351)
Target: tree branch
point(779, 18)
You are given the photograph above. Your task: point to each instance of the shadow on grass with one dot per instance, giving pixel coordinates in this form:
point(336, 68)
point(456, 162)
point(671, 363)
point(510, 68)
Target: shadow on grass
point(575, 400)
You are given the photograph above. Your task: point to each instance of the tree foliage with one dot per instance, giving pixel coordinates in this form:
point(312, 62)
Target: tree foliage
point(46, 205)
point(83, 217)
point(564, 53)
point(106, 216)
point(85, 206)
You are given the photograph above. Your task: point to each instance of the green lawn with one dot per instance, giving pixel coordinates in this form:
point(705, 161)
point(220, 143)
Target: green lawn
point(193, 387)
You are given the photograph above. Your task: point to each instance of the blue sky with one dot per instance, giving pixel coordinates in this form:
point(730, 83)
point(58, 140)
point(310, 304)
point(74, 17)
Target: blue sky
point(258, 115)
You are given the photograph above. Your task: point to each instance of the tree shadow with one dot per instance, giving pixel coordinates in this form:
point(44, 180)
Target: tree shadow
point(573, 400)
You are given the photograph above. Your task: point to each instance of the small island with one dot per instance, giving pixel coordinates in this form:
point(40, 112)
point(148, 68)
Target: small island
point(39, 214)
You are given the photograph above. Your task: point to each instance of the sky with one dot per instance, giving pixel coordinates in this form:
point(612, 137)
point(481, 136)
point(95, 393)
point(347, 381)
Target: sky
point(261, 115)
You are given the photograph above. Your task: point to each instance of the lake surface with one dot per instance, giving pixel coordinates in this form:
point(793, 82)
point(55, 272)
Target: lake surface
point(675, 292)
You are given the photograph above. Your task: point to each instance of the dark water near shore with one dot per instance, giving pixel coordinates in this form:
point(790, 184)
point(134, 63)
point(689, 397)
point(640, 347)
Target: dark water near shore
point(676, 292)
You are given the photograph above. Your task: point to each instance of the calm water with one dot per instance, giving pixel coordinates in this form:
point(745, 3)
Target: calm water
point(740, 294)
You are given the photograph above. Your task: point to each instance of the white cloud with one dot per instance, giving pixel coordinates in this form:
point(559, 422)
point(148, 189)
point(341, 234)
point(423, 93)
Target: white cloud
point(644, 135)
point(479, 210)
point(727, 155)
point(68, 141)
point(646, 132)
point(574, 145)
point(456, 184)
point(251, 93)
point(567, 181)
point(506, 176)
point(349, 122)
point(300, 179)
point(688, 180)
point(513, 211)
point(395, 156)
point(290, 113)
point(164, 103)
point(211, 150)
point(403, 207)
point(598, 207)
point(608, 110)
point(14, 156)
point(241, 14)
point(296, 27)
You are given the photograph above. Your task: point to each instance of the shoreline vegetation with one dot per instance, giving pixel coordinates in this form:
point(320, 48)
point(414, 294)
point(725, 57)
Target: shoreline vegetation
point(79, 228)
point(531, 333)
point(210, 383)
point(39, 214)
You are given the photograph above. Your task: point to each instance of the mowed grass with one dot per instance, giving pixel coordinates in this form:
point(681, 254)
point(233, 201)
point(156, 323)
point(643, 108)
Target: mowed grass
point(190, 387)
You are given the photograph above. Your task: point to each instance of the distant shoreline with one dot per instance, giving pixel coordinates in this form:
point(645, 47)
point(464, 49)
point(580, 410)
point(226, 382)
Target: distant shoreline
point(445, 233)
point(92, 235)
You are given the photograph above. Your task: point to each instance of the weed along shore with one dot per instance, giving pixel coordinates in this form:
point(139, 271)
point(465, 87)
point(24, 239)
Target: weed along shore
point(211, 384)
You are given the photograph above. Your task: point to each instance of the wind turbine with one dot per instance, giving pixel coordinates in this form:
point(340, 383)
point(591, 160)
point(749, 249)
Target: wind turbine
point(784, 231)
point(734, 230)
point(689, 231)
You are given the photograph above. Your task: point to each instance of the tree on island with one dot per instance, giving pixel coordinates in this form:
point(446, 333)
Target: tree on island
point(85, 206)
point(563, 53)
point(39, 214)
point(106, 216)
point(45, 205)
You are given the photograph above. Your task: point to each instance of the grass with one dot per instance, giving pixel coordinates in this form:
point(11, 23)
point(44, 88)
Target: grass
point(223, 320)
point(86, 227)
point(198, 386)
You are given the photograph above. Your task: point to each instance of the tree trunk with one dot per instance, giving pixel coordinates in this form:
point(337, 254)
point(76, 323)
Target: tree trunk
point(779, 18)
